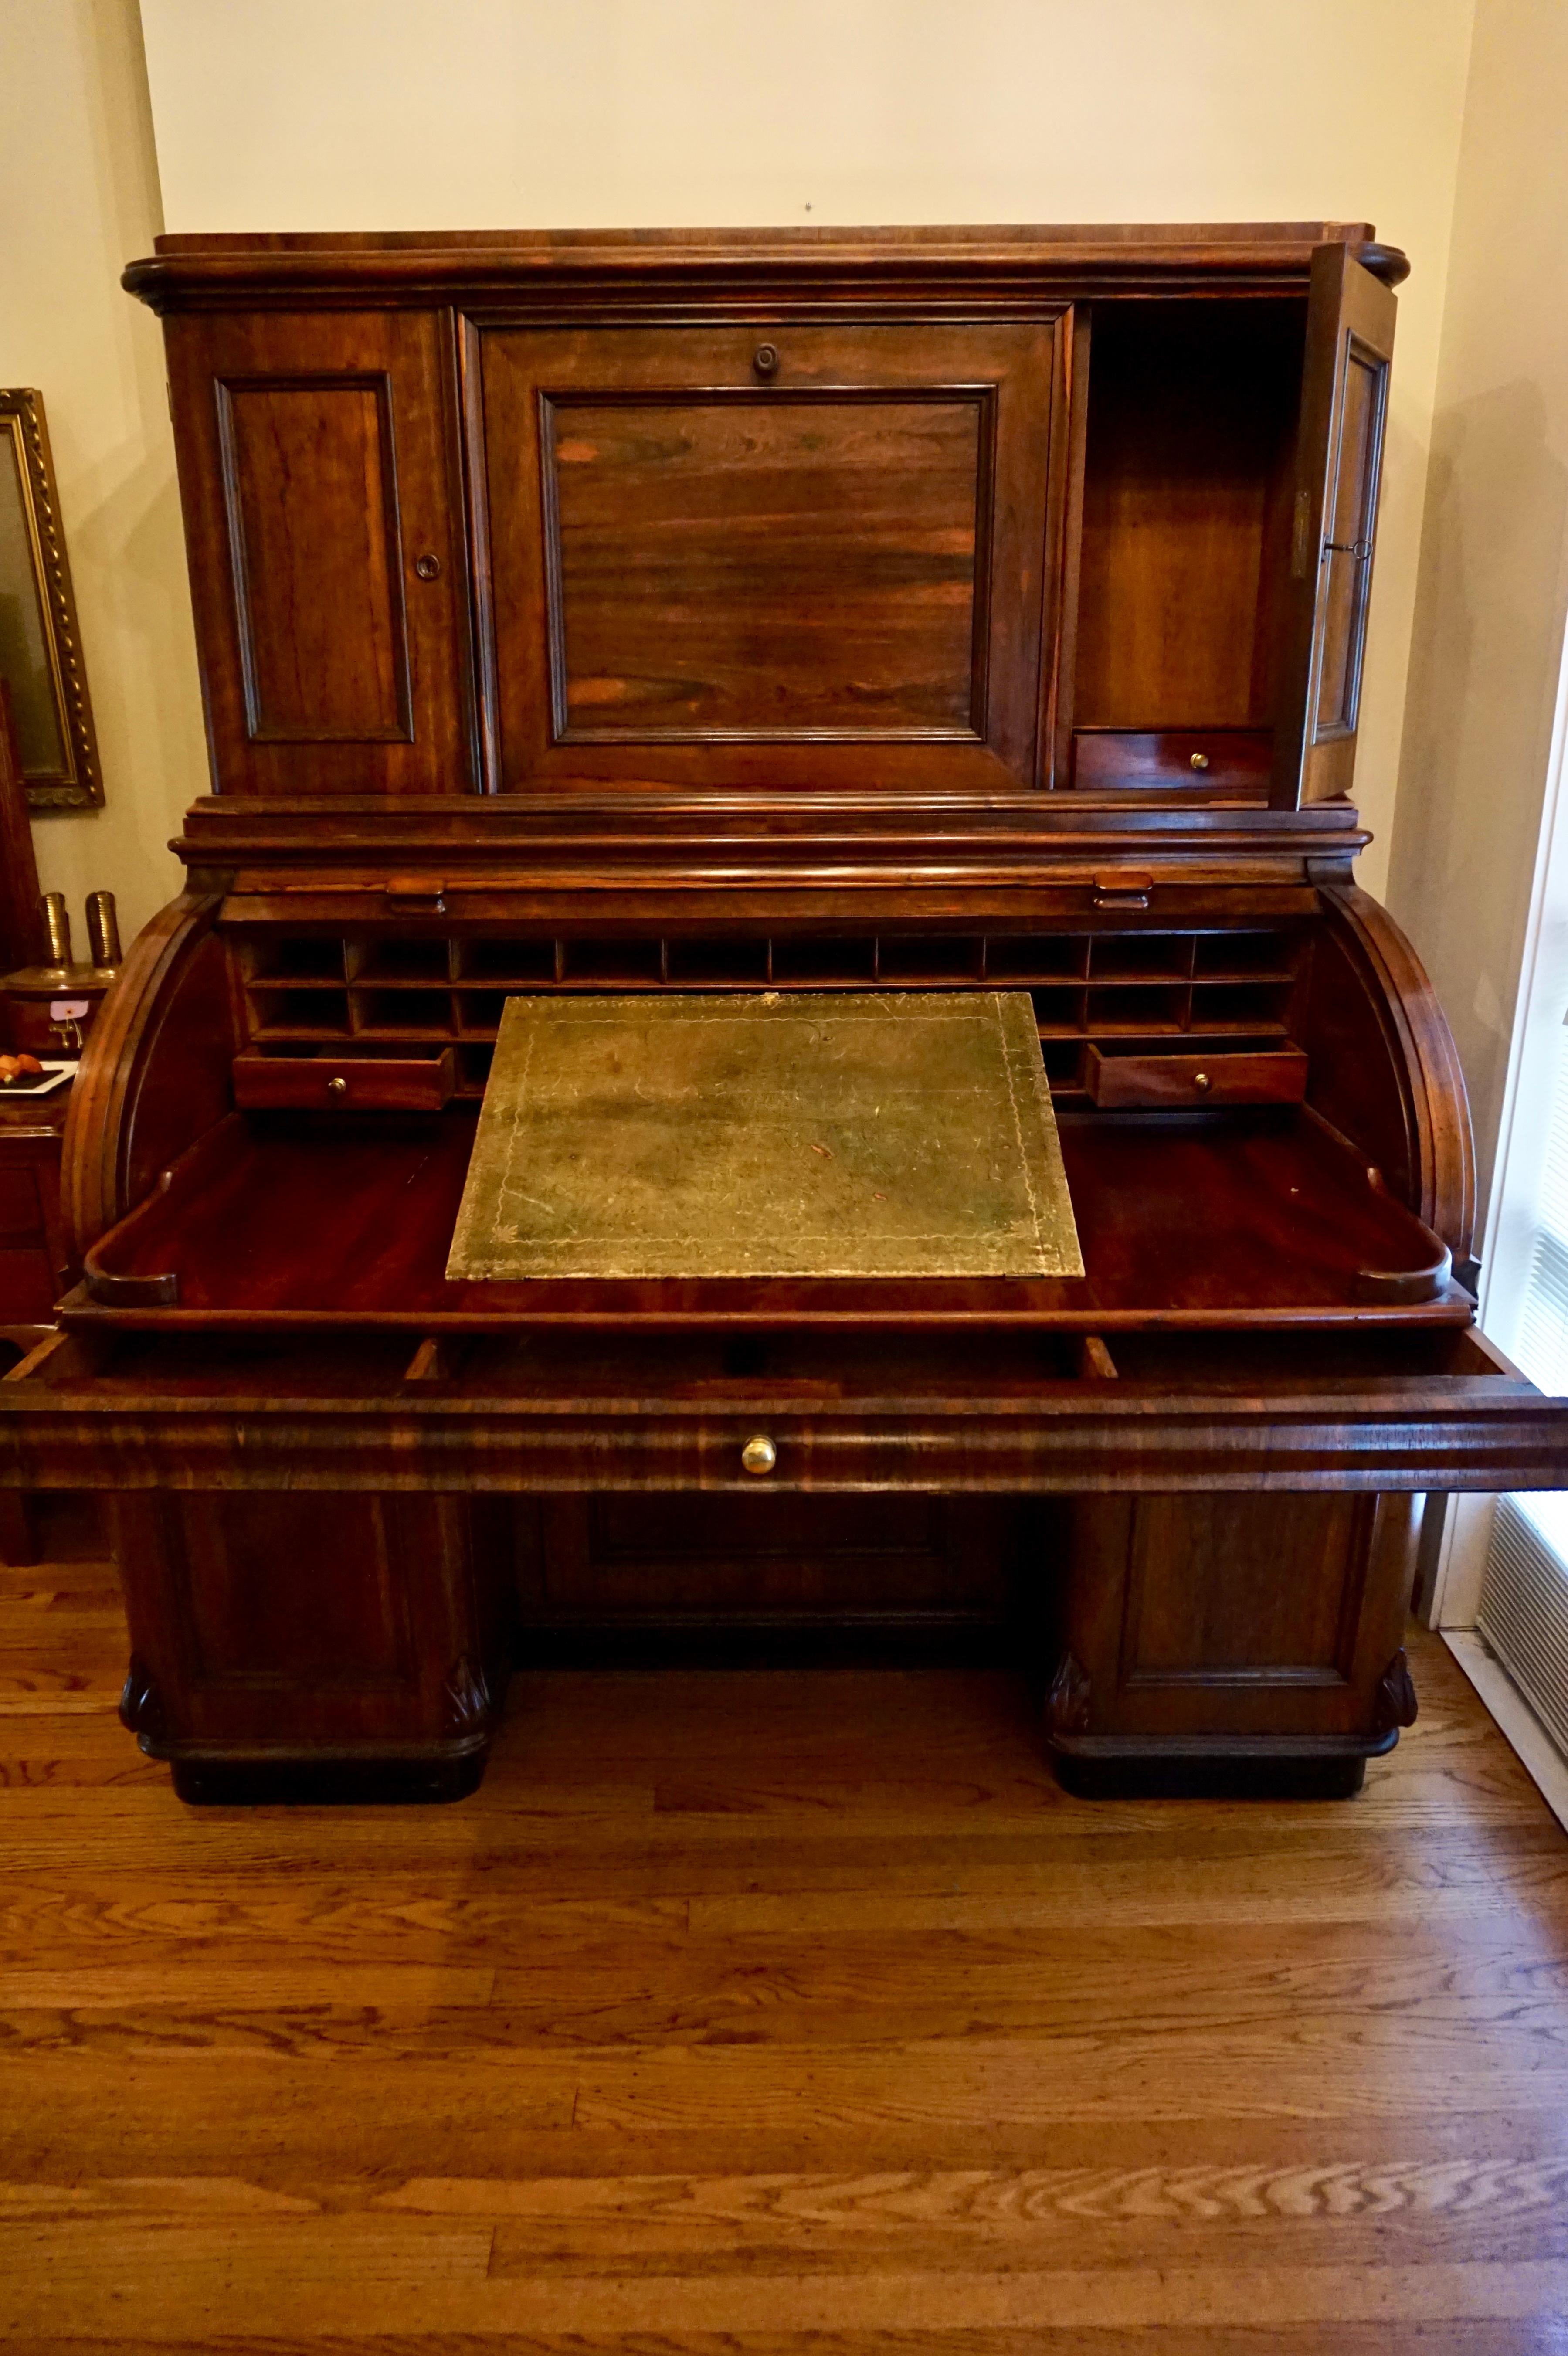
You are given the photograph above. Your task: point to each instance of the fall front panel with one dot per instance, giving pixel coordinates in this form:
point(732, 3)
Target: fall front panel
point(743, 556)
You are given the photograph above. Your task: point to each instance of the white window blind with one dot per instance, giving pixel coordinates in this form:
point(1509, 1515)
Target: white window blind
point(1523, 1610)
point(1542, 1347)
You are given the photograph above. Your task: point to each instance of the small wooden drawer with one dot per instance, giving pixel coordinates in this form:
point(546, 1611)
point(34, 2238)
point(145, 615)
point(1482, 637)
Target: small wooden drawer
point(1233, 760)
point(1271, 1077)
point(344, 1083)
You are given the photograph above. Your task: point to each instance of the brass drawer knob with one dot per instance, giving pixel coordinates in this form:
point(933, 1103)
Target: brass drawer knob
point(759, 1455)
point(1202, 1082)
point(338, 1086)
point(1199, 761)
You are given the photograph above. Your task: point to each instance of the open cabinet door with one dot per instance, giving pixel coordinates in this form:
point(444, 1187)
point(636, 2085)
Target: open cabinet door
point(1343, 405)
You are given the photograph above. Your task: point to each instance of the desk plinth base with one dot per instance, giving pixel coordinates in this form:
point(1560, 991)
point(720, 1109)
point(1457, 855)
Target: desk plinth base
point(354, 1647)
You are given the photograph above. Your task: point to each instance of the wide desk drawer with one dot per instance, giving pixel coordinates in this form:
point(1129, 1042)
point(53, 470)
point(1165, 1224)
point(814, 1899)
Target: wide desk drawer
point(1424, 1408)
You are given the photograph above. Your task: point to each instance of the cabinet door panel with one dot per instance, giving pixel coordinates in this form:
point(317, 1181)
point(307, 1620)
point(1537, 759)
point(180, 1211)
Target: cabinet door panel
point(232, 1559)
point(1226, 1590)
point(292, 1623)
point(1350, 347)
point(325, 529)
point(1217, 1617)
point(317, 577)
point(819, 560)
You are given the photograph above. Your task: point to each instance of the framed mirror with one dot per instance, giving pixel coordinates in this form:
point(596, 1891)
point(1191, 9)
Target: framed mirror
point(40, 647)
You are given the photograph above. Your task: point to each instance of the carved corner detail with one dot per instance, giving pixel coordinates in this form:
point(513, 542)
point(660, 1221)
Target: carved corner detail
point(141, 1704)
point(466, 1696)
point(1067, 1704)
point(1396, 1703)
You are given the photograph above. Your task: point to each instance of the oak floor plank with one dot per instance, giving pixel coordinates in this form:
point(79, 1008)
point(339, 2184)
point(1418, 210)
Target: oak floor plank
point(781, 2011)
point(1337, 1986)
point(176, 2280)
point(1324, 1869)
point(1523, 2337)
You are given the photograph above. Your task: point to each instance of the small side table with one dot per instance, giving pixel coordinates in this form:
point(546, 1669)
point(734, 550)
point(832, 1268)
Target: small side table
point(33, 1253)
point(33, 1259)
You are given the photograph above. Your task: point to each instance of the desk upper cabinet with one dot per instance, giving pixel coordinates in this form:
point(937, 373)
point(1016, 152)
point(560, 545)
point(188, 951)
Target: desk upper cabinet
point(883, 513)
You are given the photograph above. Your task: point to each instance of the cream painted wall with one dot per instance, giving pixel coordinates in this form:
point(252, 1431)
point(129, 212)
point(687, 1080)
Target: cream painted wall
point(498, 113)
point(79, 196)
point(1494, 567)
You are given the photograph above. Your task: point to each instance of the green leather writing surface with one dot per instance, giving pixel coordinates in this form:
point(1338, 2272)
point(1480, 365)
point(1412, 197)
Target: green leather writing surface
point(887, 1133)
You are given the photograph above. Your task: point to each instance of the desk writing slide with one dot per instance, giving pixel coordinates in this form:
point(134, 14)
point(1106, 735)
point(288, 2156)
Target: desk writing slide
point(897, 1134)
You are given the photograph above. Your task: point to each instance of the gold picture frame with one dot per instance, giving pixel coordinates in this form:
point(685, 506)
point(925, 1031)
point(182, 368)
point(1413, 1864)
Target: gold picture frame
point(40, 645)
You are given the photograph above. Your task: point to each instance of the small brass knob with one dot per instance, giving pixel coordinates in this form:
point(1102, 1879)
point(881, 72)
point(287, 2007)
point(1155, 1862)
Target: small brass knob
point(1199, 761)
point(759, 1455)
point(338, 1086)
point(427, 567)
point(1201, 1081)
point(765, 359)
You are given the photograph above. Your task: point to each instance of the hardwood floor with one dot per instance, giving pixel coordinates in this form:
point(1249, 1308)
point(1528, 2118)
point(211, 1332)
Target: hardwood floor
point(786, 2011)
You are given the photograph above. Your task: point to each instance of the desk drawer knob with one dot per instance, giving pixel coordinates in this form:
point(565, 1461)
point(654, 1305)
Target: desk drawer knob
point(759, 1455)
point(1202, 1082)
point(338, 1087)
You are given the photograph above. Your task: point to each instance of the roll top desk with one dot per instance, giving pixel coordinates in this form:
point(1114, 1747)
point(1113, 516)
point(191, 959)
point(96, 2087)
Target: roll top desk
point(773, 612)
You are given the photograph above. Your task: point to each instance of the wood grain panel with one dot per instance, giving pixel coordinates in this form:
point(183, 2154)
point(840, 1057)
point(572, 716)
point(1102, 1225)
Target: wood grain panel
point(1243, 1620)
point(1248, 1588)
point(309, 1629)
point(313, 523)
point(764, 567)
point(242, 1617)
point(1191, 418)
point(810, 557)
point(325, 529)
point(654, 1559)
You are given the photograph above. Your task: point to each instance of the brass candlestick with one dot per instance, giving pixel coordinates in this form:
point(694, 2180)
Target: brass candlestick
point(57, 929)
point(104, 932)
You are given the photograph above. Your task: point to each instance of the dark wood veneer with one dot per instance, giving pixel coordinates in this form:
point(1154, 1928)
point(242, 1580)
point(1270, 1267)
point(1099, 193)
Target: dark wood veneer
point(791, 611)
